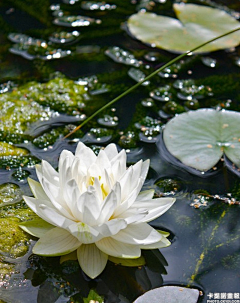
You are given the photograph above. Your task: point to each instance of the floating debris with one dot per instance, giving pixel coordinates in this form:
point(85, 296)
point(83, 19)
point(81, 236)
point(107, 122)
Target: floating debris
point(70, 1)
point(194, 92)
point(148, 102)
point(168, 187)
point(87, 81)
point(108, 121)
point(128, 140)
point(192, 104)
point(162, 93)
point(42, 52)
point(87, 49)
point(97, 135)
point(91, 84)
point(10, 194)
point(98, 89)
point(151, 56)
point(171, 108)
point(145, 5)
point(93, 6)
point(58, 13)
point(179, 84)
point(210, 62)
point(150, 135)
point(26, 40)
point(138, 76)
point(150, 129)
point(237, 61)
point(20, 175)
point(147, 122)
point(199, 200)
point(55, 7)
point(6, 87)
point(64, 37)
point(119, 55)
point(75, 21)
point(171, 71)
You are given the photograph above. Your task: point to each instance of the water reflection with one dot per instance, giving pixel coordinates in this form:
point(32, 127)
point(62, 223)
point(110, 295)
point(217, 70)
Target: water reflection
point(46, 281)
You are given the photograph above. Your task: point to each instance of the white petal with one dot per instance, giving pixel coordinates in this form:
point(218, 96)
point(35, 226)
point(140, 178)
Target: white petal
point(134, 176)
point(111, 227)
point(56, 242)
point(119, 166)
point(85, 154)
point(48, 172)
point(34, 203)
point(145, 195)
point(62, 160)
point(109, 204)
point(56, 198)
point(37, 190)
point(156, 207)
point(84, 233)
point(91, 208)
point(92, 260)
point(125, 205)
point(139, 234)
point(118, 249)
point(79, 170)
point(52, 216)
point(102, 160)
point(164, 242)
point(111, 151)
point(65, 170)
point(36, 227)
point(94, 171)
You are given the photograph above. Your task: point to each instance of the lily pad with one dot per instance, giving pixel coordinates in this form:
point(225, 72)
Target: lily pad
point(200, 138)
point(196, 25)
point(170, 294)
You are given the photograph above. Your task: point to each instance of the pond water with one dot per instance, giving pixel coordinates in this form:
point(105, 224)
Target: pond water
point(52, 76)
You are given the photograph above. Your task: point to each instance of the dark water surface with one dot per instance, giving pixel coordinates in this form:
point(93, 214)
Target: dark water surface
point(205, 250)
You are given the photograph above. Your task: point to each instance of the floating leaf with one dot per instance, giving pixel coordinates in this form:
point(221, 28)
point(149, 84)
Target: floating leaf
point(196, 25)
point(199, 138)
point(170, 294)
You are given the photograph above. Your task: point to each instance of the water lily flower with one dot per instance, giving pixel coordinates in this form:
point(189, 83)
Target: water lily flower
point(93, 205)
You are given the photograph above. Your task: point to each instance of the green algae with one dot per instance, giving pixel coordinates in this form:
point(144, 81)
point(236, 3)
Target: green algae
point(15, 157)
point(37, 102)
point(49, 138)
point(10, 150)
point(13, 241)
point(9, 194)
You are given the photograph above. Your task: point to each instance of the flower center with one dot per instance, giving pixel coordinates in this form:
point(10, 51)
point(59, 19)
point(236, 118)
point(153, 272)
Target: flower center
point(104, 190)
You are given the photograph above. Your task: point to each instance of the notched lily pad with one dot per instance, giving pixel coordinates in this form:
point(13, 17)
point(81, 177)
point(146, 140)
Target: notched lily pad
point(196, 25)
point(170, 294)
point(200, 138)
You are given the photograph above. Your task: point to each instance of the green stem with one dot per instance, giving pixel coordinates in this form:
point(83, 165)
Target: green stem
point(149, 77)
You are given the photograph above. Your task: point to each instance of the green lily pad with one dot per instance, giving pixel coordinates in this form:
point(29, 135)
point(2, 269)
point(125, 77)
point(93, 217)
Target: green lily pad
point(170, 294)
point(200, 138)
point(196, 25)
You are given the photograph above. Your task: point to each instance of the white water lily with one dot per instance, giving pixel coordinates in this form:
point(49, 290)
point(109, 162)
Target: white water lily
point(93, 205)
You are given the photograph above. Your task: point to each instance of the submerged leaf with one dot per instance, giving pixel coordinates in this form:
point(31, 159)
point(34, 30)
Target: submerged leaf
point(196, 25)
point(199, 138)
